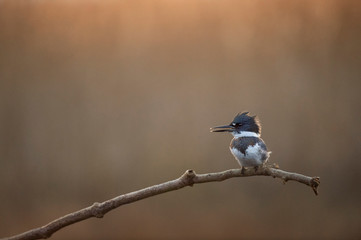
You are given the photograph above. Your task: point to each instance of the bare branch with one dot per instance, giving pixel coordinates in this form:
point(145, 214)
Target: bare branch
point(189, 178)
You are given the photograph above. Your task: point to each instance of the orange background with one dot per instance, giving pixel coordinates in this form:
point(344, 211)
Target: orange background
point(100, 98)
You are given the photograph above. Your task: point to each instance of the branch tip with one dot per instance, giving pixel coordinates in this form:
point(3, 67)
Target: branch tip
point(315, 182)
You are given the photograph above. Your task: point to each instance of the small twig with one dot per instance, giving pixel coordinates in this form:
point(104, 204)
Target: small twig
point(189, 178)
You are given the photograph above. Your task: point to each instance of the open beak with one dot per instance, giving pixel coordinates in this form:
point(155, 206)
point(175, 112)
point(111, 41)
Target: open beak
point(227, 128)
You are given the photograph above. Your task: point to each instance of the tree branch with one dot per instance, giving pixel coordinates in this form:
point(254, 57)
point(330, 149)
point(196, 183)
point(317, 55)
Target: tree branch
point(189, 178)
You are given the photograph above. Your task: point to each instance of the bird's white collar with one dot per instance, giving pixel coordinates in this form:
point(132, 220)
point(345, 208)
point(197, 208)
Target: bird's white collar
point(245, 134)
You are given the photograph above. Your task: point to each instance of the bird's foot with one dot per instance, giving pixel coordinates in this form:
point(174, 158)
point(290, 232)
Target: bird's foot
point(274, 165)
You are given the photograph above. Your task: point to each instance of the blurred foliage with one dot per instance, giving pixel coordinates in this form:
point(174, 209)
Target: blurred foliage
point(99, 98)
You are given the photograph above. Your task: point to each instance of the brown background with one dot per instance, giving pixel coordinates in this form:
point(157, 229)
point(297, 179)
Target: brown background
point(100, 98)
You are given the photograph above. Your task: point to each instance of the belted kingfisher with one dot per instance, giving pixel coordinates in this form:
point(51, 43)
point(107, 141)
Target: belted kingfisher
point(246, 146)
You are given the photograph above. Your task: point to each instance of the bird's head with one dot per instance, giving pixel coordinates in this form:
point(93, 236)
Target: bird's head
point(241, 123)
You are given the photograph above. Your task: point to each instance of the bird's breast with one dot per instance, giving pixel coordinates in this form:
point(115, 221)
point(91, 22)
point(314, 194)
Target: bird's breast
point(249, 148)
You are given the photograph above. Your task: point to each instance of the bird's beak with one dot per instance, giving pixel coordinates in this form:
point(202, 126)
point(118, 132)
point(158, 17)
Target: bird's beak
point(227, 128)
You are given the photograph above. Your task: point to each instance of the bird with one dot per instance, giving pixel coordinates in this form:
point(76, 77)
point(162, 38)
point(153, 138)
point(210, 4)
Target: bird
point(247, 146)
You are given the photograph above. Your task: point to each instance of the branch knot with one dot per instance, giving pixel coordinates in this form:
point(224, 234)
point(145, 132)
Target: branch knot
point(188, 176)
point(96, 210)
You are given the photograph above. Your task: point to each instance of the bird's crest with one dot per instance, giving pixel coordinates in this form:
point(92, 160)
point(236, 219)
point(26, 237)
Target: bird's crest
point(244, 117)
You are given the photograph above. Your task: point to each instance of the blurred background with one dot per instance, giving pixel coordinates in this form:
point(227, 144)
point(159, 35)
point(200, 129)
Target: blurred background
point(101, 98)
